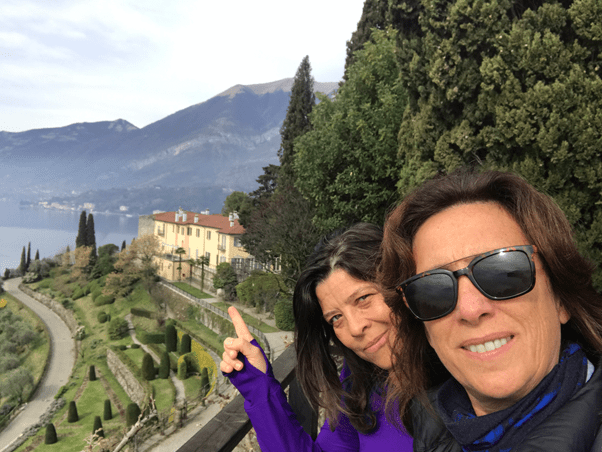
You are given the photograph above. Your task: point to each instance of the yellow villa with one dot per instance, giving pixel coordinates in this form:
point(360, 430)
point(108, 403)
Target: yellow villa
point(198, 234)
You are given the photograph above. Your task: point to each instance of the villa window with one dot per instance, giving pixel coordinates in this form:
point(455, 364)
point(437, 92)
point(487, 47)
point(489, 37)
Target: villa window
point(208, 235)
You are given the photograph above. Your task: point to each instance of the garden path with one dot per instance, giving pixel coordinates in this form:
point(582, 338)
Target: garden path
point(62, 359)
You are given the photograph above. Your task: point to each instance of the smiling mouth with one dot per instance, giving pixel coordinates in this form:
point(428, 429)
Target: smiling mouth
point(488, 346)
point(375, 341)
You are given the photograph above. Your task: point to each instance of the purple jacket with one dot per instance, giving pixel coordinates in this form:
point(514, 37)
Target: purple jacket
point(278, 430)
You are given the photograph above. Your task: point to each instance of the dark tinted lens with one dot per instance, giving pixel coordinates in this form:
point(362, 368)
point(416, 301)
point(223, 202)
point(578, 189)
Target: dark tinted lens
point(504, 275)
point(431, 296)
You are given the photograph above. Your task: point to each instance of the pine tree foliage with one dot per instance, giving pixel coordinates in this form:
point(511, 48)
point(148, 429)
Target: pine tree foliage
point(296, 122)
point(508, 85)
point(347, 165)
point(82, 233)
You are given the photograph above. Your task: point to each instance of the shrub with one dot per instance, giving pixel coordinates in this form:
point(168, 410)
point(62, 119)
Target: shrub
point(107, 413)
point(148, 367)
point(171, 338)
point(102, 317)
point(182, 368)
point(204, 382)
point(97, 292)
point(103, 300)
point(92, 373)
point(72, 416)
point(164, 366)
point(261, 290)
point(225, 278)
point(132, 412)
point(77, 293)
point(97, 429)
point(141, 312)
point(118, 328)
point(50, 437)
point(283, 313)
point(185, 344)
point(135, 346)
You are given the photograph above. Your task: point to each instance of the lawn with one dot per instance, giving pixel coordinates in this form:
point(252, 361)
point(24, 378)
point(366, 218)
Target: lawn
point(249, 320)
point(191, 290)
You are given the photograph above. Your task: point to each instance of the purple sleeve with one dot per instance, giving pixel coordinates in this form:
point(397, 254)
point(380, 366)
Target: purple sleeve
point(275, 423)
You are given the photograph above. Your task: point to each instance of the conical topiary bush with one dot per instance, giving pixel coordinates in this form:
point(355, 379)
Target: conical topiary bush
point(131, 414)
point(164, 366)
point(107, 413)
point(97, 429)
point(72, 416)
point(92, 373)
point(50, 437)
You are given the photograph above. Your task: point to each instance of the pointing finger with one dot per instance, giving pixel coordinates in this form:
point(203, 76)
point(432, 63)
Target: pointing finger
point(239, 324)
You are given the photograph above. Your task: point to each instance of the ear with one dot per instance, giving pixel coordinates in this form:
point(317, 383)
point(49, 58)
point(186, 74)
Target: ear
point(563, 314)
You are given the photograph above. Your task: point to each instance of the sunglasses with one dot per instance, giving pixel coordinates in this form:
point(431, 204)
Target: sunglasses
point(500, 274)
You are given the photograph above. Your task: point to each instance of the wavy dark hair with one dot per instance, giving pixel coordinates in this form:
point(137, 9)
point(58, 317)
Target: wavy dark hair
point(319, 351)
point(544, 225)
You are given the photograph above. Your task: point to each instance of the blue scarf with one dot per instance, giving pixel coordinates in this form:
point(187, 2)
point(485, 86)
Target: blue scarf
point(503, 430)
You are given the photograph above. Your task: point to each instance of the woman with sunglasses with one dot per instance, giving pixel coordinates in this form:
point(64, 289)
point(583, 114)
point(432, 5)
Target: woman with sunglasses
point(339, 313)
point(505, 301)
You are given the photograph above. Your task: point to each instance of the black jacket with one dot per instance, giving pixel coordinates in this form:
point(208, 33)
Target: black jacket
point(576, 427)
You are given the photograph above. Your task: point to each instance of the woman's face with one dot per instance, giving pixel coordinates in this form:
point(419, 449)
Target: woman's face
point(498, 378)
point(358, 313)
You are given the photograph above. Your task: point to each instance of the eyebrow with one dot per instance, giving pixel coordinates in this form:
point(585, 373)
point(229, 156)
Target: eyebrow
point(349, 299)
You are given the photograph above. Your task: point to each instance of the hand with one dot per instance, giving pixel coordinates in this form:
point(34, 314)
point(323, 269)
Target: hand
point(242, 344)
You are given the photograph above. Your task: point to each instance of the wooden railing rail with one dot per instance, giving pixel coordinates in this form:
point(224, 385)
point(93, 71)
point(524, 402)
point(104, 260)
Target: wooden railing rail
point(231, 424)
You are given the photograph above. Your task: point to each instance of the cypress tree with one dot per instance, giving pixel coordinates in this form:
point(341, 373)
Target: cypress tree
point(28, 262)
point(90, 233)
point(148, 367)
point(97, 429)
point(82, 233)
point(107, 412)
point(296, 122)
point(37, 258)
point(23, 263)
point(50, 437)
point(204, 382)
point(72, 416)
point(185, 344)
point(164, 366)
point(131, 414)
point(182, 370)
point(92, 373)
point(123, 246)
point(171, 338)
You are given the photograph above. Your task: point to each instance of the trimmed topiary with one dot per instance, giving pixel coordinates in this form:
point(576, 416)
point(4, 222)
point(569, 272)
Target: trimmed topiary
point(102, 317)
point(182, 369)
point(131, 414)
point(107, 414)
point(92, 373)
point(164, 366)
point(97, 429)
point(50, 437)
point(185, 344)
point(148, 367)
point(204, 382)
point(72, 416)
point(171, 338)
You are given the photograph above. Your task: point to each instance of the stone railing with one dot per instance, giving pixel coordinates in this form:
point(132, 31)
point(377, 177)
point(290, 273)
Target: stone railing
point(65, 314)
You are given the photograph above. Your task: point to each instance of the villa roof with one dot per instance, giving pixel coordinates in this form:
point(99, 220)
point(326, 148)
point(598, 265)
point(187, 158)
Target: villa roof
point(209, 221)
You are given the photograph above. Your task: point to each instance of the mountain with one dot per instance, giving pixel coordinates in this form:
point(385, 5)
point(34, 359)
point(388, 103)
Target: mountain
point(220, 144)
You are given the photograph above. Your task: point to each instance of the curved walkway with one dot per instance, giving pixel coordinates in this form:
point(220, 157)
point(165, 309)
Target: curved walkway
point(62, 359)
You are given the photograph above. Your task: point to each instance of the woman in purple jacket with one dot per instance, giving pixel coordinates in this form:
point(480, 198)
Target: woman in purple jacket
point(340, 318)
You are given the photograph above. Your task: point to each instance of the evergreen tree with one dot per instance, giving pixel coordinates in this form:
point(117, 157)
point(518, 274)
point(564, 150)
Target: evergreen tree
point(148, 367)
point(23, 263)
point(92, 373)
point(182, 369)
point(375, 14)
point(123, 246)
point(90, 233)
point(28, 263)
point(185, 344)
point(132, 413)
point(171, 338)
point(72, 415)
point(82, 233)
point(296, 122)
point(37, 258)
point(50, 437)
point(107, 412)
point(164, 366)
point(509, 85)
point(97, 429)
point(204, 382)
point(66, 258)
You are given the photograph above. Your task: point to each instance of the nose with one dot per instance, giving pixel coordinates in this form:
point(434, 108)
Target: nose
point(357, 324)
point(472, 305)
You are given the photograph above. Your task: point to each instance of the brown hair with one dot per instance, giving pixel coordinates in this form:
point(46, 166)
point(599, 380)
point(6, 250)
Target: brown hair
point(416, 366)
point(356, 251)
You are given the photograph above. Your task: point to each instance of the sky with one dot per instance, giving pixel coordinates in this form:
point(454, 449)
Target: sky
point(69, 61)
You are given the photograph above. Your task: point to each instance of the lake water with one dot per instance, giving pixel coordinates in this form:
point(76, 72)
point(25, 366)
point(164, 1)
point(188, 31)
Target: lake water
point(50, 231)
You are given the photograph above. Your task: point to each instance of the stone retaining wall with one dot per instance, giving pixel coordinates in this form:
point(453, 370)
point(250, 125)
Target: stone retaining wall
point(126, 379)
point(65, 314)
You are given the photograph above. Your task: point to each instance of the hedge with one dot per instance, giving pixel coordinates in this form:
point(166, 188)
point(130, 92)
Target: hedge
point(150, 338)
